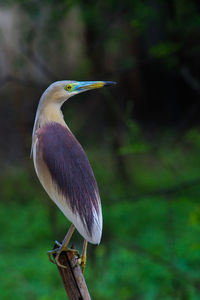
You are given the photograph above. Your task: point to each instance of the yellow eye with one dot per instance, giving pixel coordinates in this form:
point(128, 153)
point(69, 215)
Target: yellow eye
point(68, 87)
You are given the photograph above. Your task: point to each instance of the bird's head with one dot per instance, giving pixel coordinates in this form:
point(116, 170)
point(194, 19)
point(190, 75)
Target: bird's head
point(56, 94)
point(60, 91)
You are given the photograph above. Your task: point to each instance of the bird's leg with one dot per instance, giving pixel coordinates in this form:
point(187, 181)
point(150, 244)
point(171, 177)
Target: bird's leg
point(62, 247)
point(82, 259)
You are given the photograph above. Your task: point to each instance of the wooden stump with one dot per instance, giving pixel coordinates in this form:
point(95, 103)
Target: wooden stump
point(72, 277)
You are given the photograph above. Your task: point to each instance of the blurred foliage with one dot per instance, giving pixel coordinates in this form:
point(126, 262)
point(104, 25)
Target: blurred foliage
point(134, 134)
point(150, 247)
point(142, 138)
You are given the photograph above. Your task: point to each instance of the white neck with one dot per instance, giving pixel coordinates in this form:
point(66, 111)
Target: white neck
point(49, 110)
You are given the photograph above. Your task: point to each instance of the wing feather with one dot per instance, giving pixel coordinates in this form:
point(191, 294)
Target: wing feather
point(65, 172)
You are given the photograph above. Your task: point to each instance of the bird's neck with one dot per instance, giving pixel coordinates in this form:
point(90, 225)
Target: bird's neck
point(51, 113)
point(47, 114)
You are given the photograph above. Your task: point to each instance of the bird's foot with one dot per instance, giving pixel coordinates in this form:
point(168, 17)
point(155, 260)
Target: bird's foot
point(58, 251)
point(82, 262)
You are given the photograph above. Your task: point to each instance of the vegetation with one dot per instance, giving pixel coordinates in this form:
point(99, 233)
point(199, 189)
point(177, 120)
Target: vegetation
point(150, 246)
point(142, 139)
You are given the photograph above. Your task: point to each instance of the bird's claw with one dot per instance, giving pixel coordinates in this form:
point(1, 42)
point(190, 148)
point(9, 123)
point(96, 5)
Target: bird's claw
point(58, 244)
point(58, 251)
point(82, 262)
point(51, 252)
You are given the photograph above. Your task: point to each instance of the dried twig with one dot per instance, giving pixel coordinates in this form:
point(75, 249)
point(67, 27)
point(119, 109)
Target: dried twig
point(72, 277)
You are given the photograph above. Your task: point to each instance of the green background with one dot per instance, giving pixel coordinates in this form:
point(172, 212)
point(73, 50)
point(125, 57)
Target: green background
point(142, 138)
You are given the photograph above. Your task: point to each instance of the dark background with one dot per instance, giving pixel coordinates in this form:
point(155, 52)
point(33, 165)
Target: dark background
point(142, 138)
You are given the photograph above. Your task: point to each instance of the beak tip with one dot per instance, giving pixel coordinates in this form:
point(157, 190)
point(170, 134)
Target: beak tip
point(107, 83)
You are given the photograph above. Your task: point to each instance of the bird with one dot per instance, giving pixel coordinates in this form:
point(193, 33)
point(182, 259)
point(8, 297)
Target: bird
point(63, 168)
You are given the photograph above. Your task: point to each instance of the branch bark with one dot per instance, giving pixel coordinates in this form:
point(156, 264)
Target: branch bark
point(72, 277)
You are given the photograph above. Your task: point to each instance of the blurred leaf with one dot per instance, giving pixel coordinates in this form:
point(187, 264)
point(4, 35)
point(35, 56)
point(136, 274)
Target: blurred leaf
point(164, 49)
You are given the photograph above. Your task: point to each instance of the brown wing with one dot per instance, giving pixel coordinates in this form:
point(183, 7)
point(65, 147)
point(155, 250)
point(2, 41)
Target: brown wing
point(65, 172)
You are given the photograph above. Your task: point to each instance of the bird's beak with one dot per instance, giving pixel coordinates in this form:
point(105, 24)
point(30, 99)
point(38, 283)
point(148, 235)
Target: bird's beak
point(90, 85)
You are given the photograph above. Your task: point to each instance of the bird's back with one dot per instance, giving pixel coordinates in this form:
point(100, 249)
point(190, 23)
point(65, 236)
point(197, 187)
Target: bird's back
point(65, 172)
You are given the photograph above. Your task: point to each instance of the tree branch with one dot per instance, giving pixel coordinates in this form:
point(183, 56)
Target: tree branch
point(72, 277)
point(168, 191)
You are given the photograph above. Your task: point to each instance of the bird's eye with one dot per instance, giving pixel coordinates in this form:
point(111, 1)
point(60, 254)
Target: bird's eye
point(68, 87)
